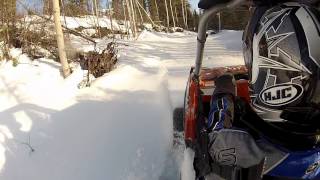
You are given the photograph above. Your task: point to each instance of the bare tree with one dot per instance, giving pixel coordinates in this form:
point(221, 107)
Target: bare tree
point(47, 7)
point(96, 14)
point(145, 13)
point(183, 15)
point(141, 18)
point(7, 26)
point(60, 40)
point(173, 20)
point(134, 21)
point(125, 17)
point(117, 8)
point(186, 13)
point(64, 16)
point(166, 4)
point(219, 17)
point(131, 18)
point(110, 15)
point(158, 16)
point(175, 10)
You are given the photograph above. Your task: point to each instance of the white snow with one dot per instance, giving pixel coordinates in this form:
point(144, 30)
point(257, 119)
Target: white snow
point(88, 21)
point(187, 171)
point(119, 129)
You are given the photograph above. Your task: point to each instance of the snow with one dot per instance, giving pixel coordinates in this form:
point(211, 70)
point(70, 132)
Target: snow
point(119, 128)
point(85, 25)
point(187, 171)
point(225, 49)
point(89, 22)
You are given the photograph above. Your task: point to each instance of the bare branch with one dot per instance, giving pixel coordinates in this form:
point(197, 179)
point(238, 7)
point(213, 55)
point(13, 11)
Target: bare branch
point(76, 33)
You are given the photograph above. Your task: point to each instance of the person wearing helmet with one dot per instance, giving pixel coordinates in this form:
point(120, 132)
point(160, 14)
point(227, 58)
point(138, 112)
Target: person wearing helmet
point(281, 52)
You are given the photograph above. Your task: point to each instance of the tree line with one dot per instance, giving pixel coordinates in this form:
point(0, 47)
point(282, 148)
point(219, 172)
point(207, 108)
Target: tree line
point(169, 13)
point(173, 13)
point(231, 19)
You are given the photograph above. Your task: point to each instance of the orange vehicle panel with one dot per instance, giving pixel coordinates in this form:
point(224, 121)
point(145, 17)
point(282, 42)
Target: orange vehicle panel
point(206, 84)
point(191, 110)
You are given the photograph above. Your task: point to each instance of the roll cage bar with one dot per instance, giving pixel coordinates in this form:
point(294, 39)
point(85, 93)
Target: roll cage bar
point(203, 26)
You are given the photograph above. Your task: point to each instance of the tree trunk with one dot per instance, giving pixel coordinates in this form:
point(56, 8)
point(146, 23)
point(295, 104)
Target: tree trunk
point(47, 7)
point(158, 16)
point(96, 8)
point(96, 14)
point(175, 10)
point(64, 17)
point(183, 15)
point(134, 18)
point(131, 18)
point(141, 18)
point(219, 17)
point(125, 18)
point(167, 11)
point(173, 20)
point(146, 13)
point(186, 14)
point(59, 35)
point(110, 16)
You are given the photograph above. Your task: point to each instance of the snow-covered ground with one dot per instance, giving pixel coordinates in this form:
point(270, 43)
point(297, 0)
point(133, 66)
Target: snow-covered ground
point(76, 22)
point(119, 129)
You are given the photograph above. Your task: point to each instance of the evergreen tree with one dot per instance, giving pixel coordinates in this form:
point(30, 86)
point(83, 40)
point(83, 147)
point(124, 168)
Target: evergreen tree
point(233, 19)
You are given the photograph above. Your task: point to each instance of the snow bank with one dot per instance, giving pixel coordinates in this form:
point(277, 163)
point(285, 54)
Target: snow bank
point(120, 128)
point(85, 22)
point(187, 171)
point(162, 36)
point(90, 21)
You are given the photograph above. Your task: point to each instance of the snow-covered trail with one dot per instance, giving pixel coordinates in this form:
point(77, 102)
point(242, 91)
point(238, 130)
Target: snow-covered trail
point(176, 53)
point(119, 128)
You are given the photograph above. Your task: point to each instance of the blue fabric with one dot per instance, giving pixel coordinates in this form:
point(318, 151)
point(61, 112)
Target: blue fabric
point(213, 111)
point(217, 113)
point(297, 164)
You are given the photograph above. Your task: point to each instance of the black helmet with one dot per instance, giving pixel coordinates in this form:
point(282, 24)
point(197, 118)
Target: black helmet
point(282, 54)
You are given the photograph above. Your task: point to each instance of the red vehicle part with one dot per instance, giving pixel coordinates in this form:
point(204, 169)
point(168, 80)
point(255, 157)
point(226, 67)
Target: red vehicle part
point(243, 89)
point(193, 93)
point(191, 109)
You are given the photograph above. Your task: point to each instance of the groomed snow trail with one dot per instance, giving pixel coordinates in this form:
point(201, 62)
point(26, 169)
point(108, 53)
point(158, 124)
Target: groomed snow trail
point(119, 129)
point(177, 53)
